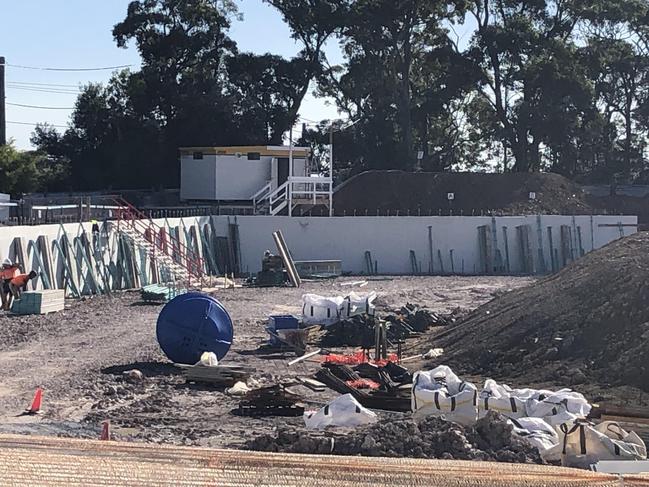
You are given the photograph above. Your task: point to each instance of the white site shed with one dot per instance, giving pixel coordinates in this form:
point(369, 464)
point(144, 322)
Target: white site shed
point(238, 173)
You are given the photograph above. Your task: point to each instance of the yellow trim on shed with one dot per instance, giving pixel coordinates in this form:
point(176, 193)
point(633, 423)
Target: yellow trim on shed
point(244, 150)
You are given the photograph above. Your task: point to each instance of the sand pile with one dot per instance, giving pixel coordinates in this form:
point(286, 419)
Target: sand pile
point(589, 322)
point(489, 439)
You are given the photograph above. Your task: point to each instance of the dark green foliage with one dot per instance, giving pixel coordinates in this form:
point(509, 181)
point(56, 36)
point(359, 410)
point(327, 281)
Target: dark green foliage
point(532, 85)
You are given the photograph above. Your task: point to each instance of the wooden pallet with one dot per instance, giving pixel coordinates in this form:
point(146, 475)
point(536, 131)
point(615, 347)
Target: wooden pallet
point(216, 374)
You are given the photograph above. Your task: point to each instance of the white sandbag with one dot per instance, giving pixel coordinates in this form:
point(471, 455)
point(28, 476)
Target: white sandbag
point(584, 444)
point(500, 398)
point(539, 434)
point(208, 359)
point(440, 392)
point(238, 389)
point(320, 310)
point(358, 304)
point(555, 407)
point(344, 411)
point(558, 407)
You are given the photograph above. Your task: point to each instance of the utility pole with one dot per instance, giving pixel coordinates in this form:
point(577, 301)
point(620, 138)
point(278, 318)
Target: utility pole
point(3, 119)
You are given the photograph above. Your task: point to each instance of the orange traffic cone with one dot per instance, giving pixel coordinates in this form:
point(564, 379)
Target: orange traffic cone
point(105, 431)
point(35, 408)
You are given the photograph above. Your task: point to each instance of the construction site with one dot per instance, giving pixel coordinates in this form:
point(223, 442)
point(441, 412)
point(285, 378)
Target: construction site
point(170, 349)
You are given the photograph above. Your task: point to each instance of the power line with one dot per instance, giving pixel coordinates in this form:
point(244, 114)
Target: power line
point(33, 124)
point(29, 83)
point(39, 107)
point(43, 90)
point(40, 68)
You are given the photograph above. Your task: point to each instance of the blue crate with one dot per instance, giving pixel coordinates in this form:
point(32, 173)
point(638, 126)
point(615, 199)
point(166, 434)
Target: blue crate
point(281, 322)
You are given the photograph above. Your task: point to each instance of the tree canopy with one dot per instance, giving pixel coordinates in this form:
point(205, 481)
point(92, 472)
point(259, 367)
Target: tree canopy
point(508, 85)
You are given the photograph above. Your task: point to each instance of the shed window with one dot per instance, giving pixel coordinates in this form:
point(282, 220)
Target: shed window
point(198, 155)
point(254, 156)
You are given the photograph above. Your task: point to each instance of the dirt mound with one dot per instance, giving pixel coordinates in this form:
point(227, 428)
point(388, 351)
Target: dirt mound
point(386, 192)
point(589, 322)
point(489, 439)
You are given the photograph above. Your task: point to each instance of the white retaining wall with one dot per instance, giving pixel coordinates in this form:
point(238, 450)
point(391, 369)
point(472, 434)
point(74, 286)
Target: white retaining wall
point(389, 239)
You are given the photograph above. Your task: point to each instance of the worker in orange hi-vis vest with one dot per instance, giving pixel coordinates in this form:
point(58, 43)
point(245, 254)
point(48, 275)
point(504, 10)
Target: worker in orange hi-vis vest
point(8, 271)
point(18, 283)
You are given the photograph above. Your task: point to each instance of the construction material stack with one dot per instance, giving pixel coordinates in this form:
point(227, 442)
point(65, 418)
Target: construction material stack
point(39, 302)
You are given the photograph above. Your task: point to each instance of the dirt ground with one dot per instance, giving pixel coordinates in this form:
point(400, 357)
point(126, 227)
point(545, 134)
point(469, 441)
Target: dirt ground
point(586, 326)
point(79, 355)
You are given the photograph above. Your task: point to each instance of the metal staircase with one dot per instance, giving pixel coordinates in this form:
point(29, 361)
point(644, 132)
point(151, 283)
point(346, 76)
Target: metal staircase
point(165, 250)
point(294, 197)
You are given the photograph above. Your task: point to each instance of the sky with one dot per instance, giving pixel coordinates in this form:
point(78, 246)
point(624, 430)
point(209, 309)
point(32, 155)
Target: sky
point(75, 34)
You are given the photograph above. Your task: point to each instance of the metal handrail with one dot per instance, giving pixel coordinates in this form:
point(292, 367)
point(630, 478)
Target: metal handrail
point(265, 192)
point(145, 225)
point(265, 189)
point(276, 195)
point(309, 179)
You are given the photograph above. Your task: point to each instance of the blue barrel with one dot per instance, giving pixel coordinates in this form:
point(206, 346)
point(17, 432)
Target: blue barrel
point(191, 324)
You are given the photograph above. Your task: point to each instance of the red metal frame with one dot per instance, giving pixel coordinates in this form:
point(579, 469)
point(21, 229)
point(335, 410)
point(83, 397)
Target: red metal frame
point(140, 222)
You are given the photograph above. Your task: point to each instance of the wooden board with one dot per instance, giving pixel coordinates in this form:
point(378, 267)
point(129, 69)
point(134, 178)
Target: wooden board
point(314, 385)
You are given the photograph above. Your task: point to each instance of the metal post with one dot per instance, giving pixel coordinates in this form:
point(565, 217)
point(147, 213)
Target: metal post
point(3, 121)
point(331, 169)
point(290, 172)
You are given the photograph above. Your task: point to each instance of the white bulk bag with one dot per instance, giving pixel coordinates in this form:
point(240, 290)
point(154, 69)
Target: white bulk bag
point(540, 435)
point(500, 398)
point(440, 392)
point(358, 304)
point(320, 310)
point(342, 411)
point(585, 444)
point(558, 407)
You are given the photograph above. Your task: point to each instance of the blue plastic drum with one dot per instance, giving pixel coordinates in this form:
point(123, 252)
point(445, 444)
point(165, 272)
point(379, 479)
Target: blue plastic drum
point(191, 324)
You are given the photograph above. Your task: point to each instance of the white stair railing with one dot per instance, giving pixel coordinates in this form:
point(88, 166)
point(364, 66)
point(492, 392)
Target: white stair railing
point(261, 196)
point(294, 191)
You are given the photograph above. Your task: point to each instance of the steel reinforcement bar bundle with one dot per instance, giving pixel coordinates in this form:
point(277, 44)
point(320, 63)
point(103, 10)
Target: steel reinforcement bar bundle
point(26, 460)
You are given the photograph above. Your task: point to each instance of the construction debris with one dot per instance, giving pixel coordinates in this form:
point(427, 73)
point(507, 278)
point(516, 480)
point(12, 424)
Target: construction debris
point(392, 395)
point(221, 375)
point(489, 439)
point(271, 401)
point(358, 329)
point(420, 319)
point(312, 384)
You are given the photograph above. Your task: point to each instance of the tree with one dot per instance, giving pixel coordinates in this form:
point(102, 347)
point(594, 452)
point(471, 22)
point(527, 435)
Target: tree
point(55, 161)
point(534, 79)
point(22, 171)
point(312, 23)
point(183, 45)
point(265, 91)
point(402, 82)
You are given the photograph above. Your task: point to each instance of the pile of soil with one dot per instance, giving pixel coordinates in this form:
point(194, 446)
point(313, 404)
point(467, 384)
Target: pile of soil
point(489, 439)
point(386, 192)
point(588, 323)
